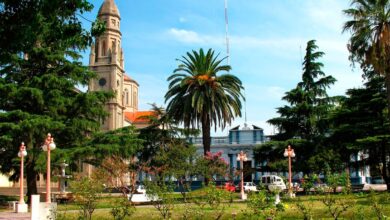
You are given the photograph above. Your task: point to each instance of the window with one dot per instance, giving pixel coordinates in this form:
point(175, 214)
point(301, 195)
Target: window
point(134, 99)
point(127, 97)
point(113, 46)
point(104, 48)
point(96, 50)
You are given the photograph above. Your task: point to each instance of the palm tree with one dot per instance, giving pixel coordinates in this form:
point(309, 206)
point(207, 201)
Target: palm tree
point(198, 96)
point(369, 46)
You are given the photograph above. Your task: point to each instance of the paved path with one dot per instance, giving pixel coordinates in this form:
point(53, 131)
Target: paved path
point(10, 215)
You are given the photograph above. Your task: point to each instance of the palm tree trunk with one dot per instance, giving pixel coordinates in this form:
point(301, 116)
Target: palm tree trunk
point(385, 170)
point(206, 139)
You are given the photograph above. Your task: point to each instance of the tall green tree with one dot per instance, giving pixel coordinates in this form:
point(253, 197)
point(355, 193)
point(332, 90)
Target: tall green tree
point(308, 101)
point(40, 70)
point(369, 45)
point(360, 122)
point(303, 122)
point(198, 95)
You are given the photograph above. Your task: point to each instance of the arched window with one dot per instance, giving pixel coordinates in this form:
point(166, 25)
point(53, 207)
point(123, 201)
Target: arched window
point(127, 97)
point(134, 99)
point(104, 48)
point(96, 50)
point(113, 47)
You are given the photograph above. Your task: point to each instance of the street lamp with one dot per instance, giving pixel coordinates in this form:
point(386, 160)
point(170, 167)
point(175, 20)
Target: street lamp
point(22, 206)
point(289, 152)
point(48, 146)
point(242, 157)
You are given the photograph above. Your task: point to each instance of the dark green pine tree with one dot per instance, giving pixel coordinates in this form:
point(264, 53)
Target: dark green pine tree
point(40, 71)
point(361, 123)
point(303, 121)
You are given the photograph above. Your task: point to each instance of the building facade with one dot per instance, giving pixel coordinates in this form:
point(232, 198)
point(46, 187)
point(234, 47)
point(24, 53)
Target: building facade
point(244, 139)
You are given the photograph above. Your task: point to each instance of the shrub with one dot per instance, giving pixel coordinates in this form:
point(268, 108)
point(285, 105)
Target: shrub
point(86, 192)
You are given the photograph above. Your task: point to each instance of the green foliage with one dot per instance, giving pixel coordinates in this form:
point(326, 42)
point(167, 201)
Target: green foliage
point(262, 205)
point(308, 182)
point(303, 122)
point(86, 191)
point(337, 205)
point(376, 205)
point(198, 96)
point(305, 209)
point(161, 194)
point(215, 199)
point(369, 46)
point(122, 209)
point(211, 165)
point(40, 71)
point(334, 180)
point(123, 142)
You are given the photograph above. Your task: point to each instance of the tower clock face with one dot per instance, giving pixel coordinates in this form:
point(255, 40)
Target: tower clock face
point(102, 81)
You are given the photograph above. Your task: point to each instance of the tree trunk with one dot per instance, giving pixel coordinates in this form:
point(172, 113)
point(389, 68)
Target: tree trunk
point(31, 175)
point(206, 134)
point(385, 146)
point(206, 139)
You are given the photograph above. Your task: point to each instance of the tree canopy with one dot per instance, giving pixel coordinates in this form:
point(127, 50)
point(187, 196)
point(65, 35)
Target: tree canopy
point(303, 121)
point(40, 73)
point(198, 95)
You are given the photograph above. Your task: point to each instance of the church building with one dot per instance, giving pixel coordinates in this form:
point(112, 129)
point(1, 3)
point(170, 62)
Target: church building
point(107, 61)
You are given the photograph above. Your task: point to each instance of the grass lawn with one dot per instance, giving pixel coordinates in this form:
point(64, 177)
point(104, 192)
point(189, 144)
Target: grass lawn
point(360, 208)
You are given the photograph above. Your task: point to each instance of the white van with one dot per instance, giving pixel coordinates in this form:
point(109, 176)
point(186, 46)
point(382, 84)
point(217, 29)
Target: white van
point(273, 182)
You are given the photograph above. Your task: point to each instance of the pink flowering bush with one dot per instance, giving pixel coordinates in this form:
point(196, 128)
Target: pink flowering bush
point(212, 165)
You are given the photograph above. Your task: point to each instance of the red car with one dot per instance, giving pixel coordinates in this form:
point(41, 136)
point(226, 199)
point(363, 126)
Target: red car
point(230, 187)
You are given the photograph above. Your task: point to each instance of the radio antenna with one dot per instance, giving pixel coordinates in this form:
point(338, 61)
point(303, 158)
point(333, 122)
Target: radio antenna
point(227, 33)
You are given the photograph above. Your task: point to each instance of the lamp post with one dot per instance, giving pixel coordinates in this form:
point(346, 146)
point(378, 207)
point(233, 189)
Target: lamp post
point(289, 152)
point(22, 206)
point(242, 157)
point(48, 146)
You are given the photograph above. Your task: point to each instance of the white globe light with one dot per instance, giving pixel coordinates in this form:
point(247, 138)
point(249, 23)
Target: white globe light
point(24, 153)
point(19, 155)
point(44, 147)
point(52, 146)
point(285, 153)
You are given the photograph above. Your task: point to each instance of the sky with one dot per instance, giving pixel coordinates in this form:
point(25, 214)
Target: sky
point(267, 45)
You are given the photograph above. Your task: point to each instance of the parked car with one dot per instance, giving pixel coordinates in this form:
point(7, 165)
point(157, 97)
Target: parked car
point(377, 180)
point(248, 187)
point(140, 189)
point(273, 182)
point(229, 186)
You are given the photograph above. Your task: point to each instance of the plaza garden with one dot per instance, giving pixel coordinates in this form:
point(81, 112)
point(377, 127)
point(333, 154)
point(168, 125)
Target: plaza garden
point(50, 98)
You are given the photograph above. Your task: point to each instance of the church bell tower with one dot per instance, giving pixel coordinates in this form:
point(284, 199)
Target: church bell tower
point(106, 59)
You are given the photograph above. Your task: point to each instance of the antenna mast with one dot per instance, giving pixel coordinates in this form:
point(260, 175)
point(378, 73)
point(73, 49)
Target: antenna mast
point(227, 33)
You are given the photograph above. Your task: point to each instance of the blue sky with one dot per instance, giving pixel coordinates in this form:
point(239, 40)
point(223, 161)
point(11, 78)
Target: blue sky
point(267, 43)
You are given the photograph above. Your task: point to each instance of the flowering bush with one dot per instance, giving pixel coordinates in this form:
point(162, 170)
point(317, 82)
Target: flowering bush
point(212, 165)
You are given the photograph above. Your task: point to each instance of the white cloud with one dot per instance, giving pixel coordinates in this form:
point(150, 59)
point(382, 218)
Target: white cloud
point(192, 37)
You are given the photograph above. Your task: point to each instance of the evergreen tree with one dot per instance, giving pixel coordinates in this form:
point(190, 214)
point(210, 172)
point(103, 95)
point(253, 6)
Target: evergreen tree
point(40, 71)
point(304, 119)
point(360, 122)
point(369, 46)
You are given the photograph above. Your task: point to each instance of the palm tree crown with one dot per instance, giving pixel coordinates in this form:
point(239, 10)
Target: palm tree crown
point(370, 29)
point(198, 96)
